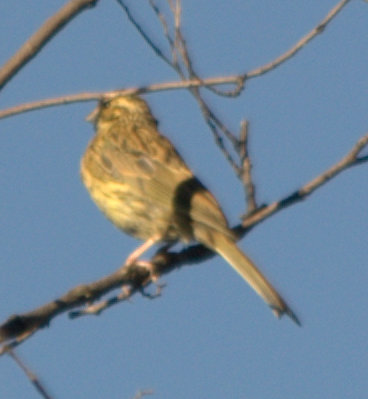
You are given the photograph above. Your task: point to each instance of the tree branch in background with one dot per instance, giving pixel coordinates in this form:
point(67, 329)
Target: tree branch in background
point(246, 168)
point(56, 22)
point(181, 63)
point(299, 45)
point(93, 96)
point(39, 39)
point(30, 375)
point(353, 158)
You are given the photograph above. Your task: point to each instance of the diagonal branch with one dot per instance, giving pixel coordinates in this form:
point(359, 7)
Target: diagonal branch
point(35, 381)
point(353, 158)
point(141, 31)
point(300, 44)
point(136, 278)
point(39, 39)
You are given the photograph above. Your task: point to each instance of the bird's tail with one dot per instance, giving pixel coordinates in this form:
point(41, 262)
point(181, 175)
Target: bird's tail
point(228, 249)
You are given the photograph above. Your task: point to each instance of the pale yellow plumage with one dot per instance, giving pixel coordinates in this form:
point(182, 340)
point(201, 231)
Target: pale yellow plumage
point(140, 182)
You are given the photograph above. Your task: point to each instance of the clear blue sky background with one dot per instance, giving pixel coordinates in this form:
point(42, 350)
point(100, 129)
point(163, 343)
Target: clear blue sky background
point(209, 335)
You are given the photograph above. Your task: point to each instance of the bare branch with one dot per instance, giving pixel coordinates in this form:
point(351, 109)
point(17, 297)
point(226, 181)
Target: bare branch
point(353, 158)
point(39, 39)
point(300, 44)
point(214, 123)
point(246, 168)
point(132, 278)
point(164, 24)
point(76, 6)
point(141, 31)
point(178, 46)
point(30, 375)
point(136, 278)
point(93, 96)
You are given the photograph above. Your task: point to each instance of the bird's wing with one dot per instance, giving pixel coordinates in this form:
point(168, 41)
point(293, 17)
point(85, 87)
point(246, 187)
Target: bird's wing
point(155, 165)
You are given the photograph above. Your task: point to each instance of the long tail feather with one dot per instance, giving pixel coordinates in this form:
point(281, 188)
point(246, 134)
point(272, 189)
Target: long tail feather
point(228, 249)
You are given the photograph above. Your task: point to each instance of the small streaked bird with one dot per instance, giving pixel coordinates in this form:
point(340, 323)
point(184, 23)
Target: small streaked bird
point(140, 182)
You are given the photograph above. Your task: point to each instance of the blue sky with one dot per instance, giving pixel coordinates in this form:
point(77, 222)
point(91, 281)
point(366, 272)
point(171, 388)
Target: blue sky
point(209, 335)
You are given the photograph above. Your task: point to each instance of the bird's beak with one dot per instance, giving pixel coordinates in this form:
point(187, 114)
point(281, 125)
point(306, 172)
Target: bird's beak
point(93, 116)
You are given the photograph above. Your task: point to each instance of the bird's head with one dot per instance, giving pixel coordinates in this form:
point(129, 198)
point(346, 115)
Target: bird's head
point(120, 108)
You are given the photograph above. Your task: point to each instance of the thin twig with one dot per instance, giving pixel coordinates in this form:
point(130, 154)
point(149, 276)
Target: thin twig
point(30, 375)
point(93, 96)
point(39, 39)
point(8, 71)
point(246, 168)
point(178, 46)
point(349, 160)
point(174, 63)
point(299, 45)
point(164, 24)
point(214, 123)
point(145, 36)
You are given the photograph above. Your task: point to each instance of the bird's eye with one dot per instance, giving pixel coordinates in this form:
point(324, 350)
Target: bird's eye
point(105, 103)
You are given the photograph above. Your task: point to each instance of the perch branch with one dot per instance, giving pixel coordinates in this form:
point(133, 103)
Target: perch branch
point(135, 278)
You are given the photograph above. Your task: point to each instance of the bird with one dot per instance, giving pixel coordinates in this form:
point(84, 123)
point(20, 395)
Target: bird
point(143, 186)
